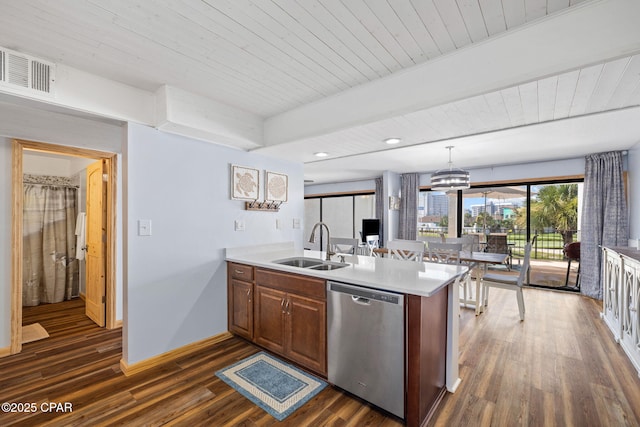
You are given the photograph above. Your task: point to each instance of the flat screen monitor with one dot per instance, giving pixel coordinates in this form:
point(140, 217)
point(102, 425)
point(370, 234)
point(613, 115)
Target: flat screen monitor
point(370, 227)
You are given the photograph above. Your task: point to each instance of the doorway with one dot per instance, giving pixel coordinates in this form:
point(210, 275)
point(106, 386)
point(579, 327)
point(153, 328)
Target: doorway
point(108, 160)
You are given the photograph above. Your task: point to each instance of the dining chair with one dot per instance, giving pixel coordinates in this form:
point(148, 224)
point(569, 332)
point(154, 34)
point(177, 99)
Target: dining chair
point(449, 253)
point(509, 281)
point(497, 243)
point(343, 245)
point(407, 250)
point(572, 253)
point(373, 242)
point(468, 242)
point(427, 239)
point(444, 253)
point(471, 243)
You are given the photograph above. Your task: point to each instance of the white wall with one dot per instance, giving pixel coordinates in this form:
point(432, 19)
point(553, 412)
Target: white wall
point(501, 173)
point(177, 276)
point(390, 187)
point(37, 163)
point(345, 187)
point(538, 170)
point(391, 183)
point(175, 279)
point(633, 191)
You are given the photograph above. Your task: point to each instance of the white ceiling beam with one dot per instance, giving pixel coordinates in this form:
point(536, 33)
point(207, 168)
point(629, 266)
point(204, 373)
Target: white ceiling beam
point(588, 33)
point(195, 116)
point(80, 93)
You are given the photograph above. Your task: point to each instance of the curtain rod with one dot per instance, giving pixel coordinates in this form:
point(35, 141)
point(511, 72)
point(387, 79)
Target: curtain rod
point(51, 185)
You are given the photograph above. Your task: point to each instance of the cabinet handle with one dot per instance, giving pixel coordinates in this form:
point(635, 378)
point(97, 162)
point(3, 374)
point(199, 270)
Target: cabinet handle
point(288, 310)
point(282, 305)
point(249, 295)
point(239, 271)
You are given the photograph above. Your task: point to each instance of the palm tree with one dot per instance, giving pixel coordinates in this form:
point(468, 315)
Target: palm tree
point(556, 206)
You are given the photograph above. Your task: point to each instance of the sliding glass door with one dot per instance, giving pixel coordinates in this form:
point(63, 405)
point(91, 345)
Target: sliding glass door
point(544, 213)
point(343, 214)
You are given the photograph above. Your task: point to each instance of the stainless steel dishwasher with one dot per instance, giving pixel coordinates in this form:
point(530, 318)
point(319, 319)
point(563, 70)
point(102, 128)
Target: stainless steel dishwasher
point(365, 348)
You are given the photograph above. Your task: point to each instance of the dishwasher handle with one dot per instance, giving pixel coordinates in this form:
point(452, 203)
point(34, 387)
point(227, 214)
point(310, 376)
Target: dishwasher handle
point(365, 295)
point(360, 300)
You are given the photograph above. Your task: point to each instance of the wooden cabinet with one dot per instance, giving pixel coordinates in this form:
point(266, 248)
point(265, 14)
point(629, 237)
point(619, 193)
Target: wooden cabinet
point(270, 316)
point(621, 298)
point(426, 354)
point(240, 299)
point(612, 273)
point(305, 332)
point(291, 317)
point(629, 306)
point(282, 312)
point(288, 316)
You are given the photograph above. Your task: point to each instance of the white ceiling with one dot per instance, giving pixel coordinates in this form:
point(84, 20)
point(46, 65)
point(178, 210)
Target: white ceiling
point(341, 75)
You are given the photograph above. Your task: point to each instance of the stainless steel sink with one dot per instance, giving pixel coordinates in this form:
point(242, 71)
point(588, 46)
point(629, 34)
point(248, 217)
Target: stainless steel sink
point(311, 263)
point(328, 266)
point(301, 262)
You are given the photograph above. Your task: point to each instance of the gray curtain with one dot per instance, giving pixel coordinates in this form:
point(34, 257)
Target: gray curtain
point(604, 216)
point(380, 207)
point(410, 183)
point(50, 270)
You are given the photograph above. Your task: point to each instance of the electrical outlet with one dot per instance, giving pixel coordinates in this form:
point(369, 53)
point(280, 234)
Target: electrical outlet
point(278, 224)
point(296, 223)
point(239, 225)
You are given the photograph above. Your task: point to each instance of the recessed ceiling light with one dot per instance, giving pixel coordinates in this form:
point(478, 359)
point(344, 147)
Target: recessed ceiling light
point(321, 154)
point(392, 141)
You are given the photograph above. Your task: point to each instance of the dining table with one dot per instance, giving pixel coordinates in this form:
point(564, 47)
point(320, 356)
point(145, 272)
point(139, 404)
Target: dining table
point(478, 263)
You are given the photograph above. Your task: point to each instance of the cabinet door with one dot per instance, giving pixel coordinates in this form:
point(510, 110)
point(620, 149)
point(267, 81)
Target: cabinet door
point(306, 330)
point(241, 308)
point(269, 306)
point(611, 291)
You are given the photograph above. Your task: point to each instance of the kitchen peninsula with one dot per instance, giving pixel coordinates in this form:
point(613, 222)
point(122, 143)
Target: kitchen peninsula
point(283, 308)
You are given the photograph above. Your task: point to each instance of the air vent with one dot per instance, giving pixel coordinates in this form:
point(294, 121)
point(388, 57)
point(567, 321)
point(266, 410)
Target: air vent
point(25, 74)
point(40, 76)
point(18, 70)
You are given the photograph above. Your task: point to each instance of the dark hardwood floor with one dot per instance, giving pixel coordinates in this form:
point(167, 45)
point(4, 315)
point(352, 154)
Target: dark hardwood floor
point(558, 367)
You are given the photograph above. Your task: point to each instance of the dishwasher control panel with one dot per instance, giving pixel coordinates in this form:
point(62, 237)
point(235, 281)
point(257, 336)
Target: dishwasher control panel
point(365, 293)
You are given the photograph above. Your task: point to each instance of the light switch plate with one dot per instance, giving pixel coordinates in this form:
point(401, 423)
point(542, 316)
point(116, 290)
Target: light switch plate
point(278, 224)
point(144, 227)
point(296, 223)
point(239, 225)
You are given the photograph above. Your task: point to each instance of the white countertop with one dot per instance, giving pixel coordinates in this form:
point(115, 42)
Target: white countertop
point(406, 277)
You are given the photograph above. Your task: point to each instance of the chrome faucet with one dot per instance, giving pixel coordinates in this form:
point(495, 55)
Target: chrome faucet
point(312, 238)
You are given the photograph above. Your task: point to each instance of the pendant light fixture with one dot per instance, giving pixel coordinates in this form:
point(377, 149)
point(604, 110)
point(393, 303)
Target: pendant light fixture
point(450, 179)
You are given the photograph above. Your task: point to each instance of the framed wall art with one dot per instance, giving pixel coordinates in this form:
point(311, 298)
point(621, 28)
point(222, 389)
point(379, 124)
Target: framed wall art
point(276, 187)
point(245, 183)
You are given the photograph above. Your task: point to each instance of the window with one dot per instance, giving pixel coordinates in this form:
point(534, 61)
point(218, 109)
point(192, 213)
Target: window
point(433, 213)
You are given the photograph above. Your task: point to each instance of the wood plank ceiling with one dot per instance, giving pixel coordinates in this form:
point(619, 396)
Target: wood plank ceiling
point(263, 56)
point(271, 56)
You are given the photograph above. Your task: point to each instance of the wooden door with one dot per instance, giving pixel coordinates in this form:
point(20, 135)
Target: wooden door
point(306, 331)
point(96, 243)
point(241, 308)
point(269, 306)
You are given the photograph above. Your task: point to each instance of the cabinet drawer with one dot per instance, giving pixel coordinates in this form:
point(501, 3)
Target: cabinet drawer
point(301, 285)
point(241, 272)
